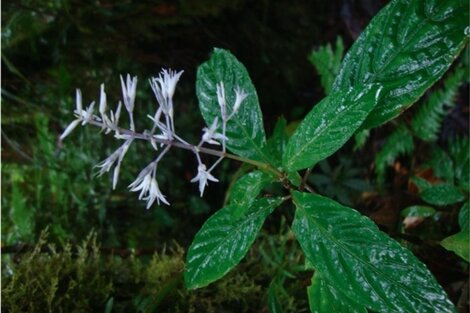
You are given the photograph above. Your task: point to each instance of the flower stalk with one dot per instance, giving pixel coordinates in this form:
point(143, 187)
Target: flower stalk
point(162, 133)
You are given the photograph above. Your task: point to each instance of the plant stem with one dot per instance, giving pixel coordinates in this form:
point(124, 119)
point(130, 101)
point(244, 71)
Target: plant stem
point(186, 146)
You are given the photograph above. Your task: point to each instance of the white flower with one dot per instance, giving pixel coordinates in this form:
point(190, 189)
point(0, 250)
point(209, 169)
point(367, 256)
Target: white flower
point(154, 193)
point(203, 176)
point(118, 156)
point(78, 102)
point(143, 185)
point(102, 107)
point(240, 95)
point(147, 184)
point(168, 80)
point(128, 92)
point(157, 90)
point(221, 99)
point(69, 129)
point(164, 87)
point(87, 115)
point(210, 136)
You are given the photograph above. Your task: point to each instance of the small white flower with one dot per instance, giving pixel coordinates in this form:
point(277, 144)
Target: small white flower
point(141, 181)
point(128, 92)
point(143, 186)
point(69, 129)
point(118, 156)
point(157, 90)
point(102, 107)
point(87, 115)
point(164, 87)
point(221, 99)
point(78, 102)
point(107, 163)
point(154, 193)
point(240, 95)
point(202, 177)
point(168, 80)
point(147, 184)
point(210, 136)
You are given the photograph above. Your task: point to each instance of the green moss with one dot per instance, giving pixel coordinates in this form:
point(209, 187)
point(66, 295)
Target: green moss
point(87, 278)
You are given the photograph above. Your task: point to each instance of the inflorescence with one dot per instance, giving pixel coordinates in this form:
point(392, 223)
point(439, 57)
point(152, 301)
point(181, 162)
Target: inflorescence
point(162, 136)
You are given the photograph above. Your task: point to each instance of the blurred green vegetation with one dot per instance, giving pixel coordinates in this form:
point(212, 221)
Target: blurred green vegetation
point(49, 48)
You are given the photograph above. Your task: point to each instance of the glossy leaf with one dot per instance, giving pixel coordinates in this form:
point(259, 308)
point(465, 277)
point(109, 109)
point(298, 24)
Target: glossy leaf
point(247, 188)
point(277, 143)
point(442, 194)
point(325, 298)
point(459, 244)
point(223, 241)
point(329, 125)
point(245, 130)
point(362, 262)
point(407, 47)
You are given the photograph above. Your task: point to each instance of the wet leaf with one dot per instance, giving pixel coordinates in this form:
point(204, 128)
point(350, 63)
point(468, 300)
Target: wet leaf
point(329, 125)
point(459, 244)
point(442, 194)
point(223, 241)
point(277, 143)
point(245, 130)
point(325, 298)
point(362, 262)
point(246, 189)
point(407, 47)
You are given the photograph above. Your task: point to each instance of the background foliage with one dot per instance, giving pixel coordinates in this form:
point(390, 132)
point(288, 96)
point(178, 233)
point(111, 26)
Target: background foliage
point(49, 48)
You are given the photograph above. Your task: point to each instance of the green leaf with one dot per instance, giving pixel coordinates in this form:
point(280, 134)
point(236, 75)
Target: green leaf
point(247, 188)
point(427, 121)
point(464, 218)
point(407, 47)
point(442, 194)
point(223, 241)
point(327, 62)
point(459, 150)
point(441, 164)
point(360, 138)
point(245, 130)
point(459, 244)
point(278, 141)
point(421, 183)
point(362, 262)
point(325, 298)
point(329, 125)
point(418, 211)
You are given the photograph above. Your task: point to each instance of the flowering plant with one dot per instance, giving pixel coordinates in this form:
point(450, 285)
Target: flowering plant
point(406, 48)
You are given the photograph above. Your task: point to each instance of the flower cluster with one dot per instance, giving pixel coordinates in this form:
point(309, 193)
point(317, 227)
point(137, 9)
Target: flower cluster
point(162, 134)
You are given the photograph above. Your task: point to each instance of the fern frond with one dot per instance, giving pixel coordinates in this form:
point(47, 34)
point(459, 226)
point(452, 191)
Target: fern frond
point(360, 138)
point(427, 121)
point(459, 151)
point(399, 143)
point(327, 62)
